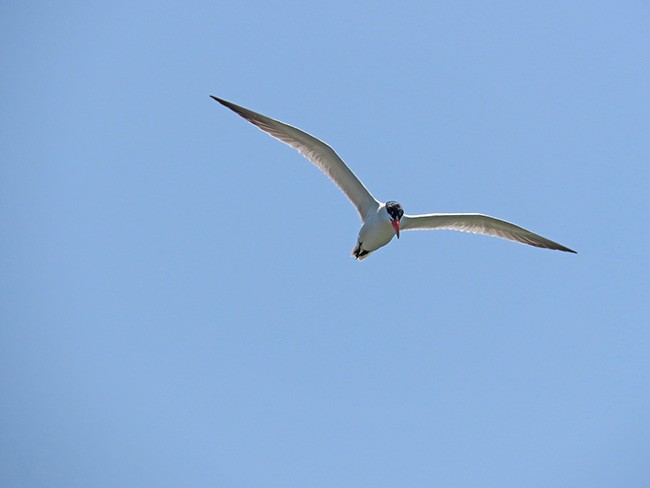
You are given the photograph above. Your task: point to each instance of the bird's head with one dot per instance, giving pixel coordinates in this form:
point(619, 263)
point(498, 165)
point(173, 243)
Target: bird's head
point(395, 212)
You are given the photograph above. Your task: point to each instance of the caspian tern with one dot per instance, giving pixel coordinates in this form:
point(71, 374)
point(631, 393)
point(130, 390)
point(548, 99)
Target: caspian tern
point(381, 221)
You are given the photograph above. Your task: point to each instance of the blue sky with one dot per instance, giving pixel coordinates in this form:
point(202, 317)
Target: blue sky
point(178, 303)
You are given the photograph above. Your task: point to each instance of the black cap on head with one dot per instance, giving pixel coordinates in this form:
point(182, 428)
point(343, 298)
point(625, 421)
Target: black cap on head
point(395, 210)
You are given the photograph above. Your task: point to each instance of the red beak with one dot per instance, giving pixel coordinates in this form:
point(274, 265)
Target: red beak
point(395, 224)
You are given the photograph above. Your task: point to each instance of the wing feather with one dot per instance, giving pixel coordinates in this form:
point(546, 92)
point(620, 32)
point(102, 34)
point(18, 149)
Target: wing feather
point(479, 224)
point(317, 152)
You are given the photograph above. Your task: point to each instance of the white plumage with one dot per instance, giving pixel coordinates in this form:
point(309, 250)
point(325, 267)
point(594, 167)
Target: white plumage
point(382, 221)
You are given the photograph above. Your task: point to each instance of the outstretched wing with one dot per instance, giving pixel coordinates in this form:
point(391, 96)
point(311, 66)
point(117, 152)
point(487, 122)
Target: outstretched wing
point(479, 224)
point(316, 151)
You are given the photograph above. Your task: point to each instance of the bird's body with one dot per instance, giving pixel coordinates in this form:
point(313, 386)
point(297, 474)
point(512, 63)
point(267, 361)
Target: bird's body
point(376, 232)
point(382, 221)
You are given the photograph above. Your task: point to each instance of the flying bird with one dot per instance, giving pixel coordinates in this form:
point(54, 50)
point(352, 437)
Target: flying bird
point(382, 221)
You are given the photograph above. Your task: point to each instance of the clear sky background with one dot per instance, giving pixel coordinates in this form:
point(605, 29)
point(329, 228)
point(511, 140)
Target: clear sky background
point(179, 307)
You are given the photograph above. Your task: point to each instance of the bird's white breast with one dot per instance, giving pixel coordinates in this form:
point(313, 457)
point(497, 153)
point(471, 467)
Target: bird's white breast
point(377, 230)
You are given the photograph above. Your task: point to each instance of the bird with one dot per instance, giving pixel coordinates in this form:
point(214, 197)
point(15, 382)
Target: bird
point(381, 221)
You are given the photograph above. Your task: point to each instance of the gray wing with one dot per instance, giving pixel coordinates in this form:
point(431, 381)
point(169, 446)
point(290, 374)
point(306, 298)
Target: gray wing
point(479, 224)
point(316, 151)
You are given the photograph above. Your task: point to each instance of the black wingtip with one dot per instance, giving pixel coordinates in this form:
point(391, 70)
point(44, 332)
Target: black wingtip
point(228, 104)
point(566, 249)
